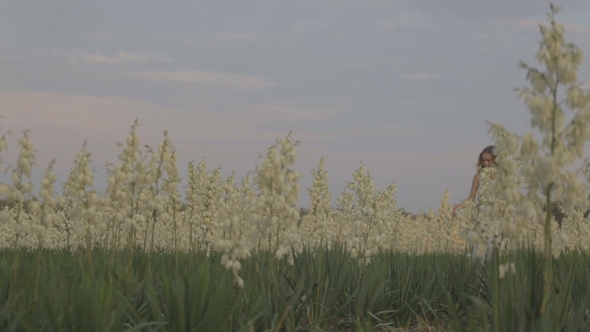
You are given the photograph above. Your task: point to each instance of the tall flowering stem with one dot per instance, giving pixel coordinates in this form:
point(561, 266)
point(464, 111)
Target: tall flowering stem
point(233, 246)
point(542, 165)
point(372, 215)
point(275, 208)
point(21, 188)
point(43, 210)
point(43, 215)
point(198, 178)
point(126, 185)
point(164, 161)
point(78, 188)
point(174, 200)
point(318, 226)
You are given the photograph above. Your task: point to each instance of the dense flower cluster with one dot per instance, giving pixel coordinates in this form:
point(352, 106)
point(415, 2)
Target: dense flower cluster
point(144, 208)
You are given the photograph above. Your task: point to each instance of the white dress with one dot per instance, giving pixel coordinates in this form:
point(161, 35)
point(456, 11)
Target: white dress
point(487, 229)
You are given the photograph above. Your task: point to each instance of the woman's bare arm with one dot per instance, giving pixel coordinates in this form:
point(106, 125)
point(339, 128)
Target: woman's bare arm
point(474, 186)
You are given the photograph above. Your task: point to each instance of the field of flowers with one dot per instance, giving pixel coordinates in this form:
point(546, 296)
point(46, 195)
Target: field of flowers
point(222, 254)
point(145, 209)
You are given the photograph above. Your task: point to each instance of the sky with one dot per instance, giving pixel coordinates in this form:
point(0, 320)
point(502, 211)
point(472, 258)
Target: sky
point(403, 86)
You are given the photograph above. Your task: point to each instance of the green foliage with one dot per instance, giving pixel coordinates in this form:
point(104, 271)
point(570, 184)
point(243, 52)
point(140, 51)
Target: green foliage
point(511, 302)
point(323, 290)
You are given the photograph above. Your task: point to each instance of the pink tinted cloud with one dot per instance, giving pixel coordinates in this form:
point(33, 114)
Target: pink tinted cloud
point(60, 123)
point(76, 57)
point(245, 82)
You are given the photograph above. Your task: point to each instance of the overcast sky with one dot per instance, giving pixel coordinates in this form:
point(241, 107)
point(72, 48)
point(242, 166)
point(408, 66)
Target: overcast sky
point(404, 86)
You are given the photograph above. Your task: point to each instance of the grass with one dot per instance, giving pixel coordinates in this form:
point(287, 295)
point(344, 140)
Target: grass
point(323, 290)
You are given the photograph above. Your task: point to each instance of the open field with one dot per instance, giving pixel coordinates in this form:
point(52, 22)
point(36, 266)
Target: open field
point(323, 290)
point(143, 257)
point(155, 252)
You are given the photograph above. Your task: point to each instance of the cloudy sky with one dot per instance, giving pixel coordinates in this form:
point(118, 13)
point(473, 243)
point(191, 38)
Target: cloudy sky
point(403, 86)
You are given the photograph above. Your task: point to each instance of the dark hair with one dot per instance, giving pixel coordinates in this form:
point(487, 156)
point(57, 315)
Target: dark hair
point(488, 149)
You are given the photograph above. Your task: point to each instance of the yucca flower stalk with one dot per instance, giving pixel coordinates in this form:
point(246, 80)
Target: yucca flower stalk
point(173, 198)
point(4, 188)
point(229, 203)
point(43, 208)
point(231, 244)
point(43, 212)
point(449, 232)
point(374, 215)
point(194, 196)
point(243, 209)
point(163, 162)
point(275, 207)
point(342, 215)
point(444, 213)
point(211, 194)
point(22, 185)
point(317, 226)
point(126, 184)
point(84, 210)
point(544, 164)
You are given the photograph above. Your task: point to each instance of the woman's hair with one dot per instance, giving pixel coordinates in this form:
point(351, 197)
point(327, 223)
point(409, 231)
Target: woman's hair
point(488, 149)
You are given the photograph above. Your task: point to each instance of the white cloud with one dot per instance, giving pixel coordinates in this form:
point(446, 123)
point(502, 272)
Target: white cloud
point(76, 57)
point(82, 57)
point(143, 57)
point(245, 82)
point(282, 112)
point(422, 76)
point(528, 23)
point(234, 37)
point(408, 18)
point(217, 38)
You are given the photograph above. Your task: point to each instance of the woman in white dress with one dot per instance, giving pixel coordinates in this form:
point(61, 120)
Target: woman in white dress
point(480, 195)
